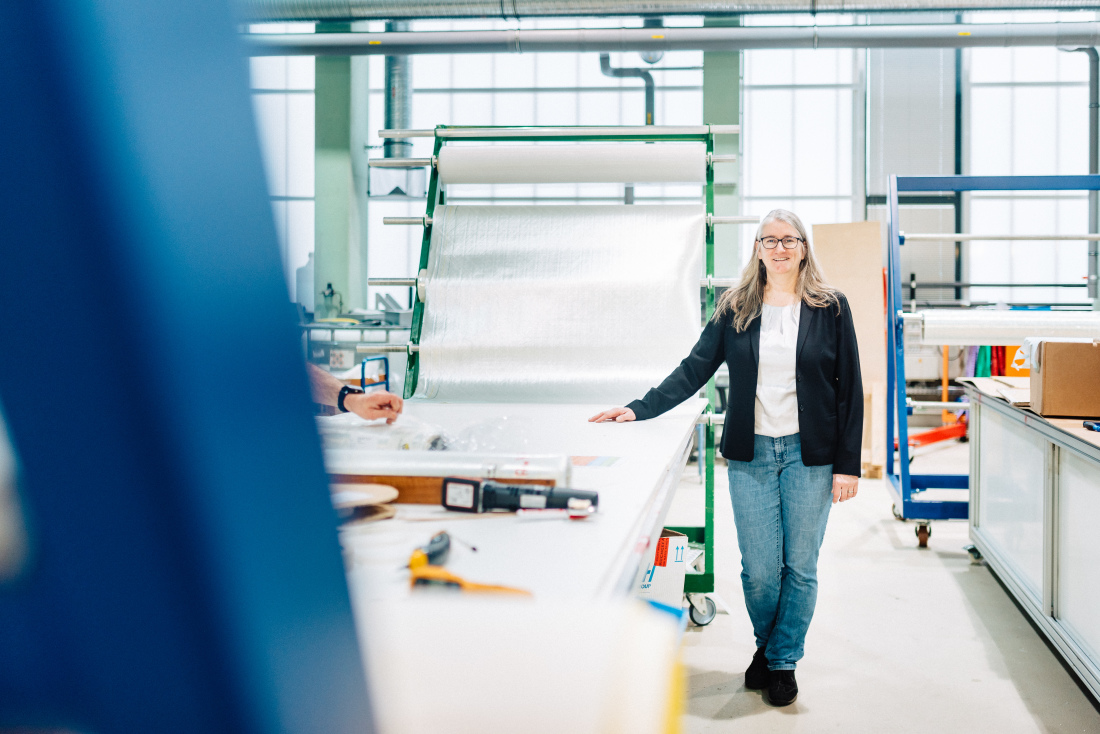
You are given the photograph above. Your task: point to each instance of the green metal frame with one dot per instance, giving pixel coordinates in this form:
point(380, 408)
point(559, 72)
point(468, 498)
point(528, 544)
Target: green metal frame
point(694, 583)
point(435, 197)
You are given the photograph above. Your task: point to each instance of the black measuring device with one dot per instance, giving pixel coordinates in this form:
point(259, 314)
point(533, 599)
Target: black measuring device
point(474, 495)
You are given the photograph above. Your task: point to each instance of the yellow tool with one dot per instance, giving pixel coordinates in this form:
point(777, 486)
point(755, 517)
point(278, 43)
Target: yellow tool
point(438, 576)
point(426, 569)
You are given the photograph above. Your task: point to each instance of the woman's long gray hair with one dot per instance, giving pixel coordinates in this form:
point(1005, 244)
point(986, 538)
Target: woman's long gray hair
point(746, 299)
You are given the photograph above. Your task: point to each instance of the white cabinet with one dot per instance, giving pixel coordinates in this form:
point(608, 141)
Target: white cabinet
point(1077, 603)
point(1011, 475)
point(1035, 517)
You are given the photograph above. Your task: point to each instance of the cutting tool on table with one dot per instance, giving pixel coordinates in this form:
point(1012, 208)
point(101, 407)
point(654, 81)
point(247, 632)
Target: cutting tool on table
point(426, 569)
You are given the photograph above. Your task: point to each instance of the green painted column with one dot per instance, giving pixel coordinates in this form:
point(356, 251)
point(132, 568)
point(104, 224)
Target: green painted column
point(334, 190)
point(722, 106)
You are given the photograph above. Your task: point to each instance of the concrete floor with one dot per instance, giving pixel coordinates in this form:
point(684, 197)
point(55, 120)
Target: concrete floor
point(904, 639)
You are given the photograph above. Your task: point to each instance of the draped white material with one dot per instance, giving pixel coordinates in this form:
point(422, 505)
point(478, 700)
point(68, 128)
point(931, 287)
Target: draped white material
point(565, 304)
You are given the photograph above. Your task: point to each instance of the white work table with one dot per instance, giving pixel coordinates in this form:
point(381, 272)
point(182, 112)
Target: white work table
point(560, 560)
point(1034, 504)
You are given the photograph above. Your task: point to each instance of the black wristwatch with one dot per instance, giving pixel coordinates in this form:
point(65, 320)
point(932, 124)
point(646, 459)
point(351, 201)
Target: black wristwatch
point(344, 392)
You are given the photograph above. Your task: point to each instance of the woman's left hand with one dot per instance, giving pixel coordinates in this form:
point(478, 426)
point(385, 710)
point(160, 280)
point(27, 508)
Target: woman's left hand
point(845, 487)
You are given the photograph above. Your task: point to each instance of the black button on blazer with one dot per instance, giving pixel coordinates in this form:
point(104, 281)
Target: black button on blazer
point(827, 380)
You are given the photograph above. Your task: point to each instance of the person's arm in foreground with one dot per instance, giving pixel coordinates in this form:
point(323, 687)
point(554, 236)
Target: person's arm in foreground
point(371, 406)
point(849, 409)
point(685, 381)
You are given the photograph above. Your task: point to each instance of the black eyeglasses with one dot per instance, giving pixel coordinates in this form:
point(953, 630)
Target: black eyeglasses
point(789, 243)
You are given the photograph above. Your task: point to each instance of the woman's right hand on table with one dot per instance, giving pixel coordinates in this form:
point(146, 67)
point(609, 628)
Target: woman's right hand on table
point(619, 415)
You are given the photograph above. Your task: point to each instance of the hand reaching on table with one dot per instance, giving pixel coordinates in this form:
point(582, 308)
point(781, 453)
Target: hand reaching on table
point(619, 415)
point(374, 405)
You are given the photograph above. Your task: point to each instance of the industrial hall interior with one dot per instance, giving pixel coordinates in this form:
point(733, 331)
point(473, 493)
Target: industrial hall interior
point(550, 366)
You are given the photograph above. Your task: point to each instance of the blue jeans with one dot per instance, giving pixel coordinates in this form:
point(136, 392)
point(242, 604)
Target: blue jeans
point(780, 507)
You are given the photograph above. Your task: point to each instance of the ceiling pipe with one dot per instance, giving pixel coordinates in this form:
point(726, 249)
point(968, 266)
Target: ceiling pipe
point(645, 76)
point(708, 38)
point(258, 11)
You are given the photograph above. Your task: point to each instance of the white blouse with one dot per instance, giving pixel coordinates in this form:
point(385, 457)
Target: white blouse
point(776, 398)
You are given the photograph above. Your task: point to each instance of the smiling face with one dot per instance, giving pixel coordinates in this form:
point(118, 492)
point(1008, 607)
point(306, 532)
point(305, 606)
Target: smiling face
point(780, 261)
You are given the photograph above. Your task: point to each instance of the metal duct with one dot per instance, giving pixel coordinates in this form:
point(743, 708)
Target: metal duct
point(398, 97)
point(710, 38)
point(285, 10)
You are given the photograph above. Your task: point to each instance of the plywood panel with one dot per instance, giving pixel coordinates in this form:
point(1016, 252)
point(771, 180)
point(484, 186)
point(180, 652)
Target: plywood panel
point(851, 256)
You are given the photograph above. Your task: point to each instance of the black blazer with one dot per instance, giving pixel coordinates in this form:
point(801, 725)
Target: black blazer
point(828, 384)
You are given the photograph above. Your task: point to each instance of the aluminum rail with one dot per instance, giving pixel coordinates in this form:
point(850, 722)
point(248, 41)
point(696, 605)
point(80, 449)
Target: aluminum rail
point(430, 162)
point(415, 282)
point(611, 131)
point(928, 406)
point(259, 11)
point(966, 284)
point(1018, 237)
point(427, 221)
point(709, 38)
point(422, 221)
point(401, 162)
point(374, 348)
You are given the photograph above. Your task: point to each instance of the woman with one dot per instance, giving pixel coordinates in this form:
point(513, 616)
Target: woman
point(793, 432)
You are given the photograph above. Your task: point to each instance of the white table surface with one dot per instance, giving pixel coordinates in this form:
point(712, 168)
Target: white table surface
point(599, 557)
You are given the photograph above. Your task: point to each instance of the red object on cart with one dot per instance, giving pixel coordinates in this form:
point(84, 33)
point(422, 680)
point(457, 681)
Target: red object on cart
point(935, 435)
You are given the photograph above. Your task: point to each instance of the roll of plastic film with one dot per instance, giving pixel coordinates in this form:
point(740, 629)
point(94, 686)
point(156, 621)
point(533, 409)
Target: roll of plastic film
point(504, 467)
point(974, 327)
point(579, 163)
point(559, 304)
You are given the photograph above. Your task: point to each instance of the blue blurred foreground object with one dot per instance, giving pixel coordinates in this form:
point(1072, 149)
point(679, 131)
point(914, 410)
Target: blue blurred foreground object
point(183, 570)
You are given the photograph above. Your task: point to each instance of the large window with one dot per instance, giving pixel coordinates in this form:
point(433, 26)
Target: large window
point(803, 118)
point(282, 96)
point(1028, 115)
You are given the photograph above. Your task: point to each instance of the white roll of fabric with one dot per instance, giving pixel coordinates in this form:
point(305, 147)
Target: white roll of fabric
point(579, 163)
point(564, 304)
point(502, 467)
point(977, 327)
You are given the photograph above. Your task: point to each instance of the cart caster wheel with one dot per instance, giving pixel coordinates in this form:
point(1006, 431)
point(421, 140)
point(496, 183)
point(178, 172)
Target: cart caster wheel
point(924, 531)
point(975, 554)
point(897, 515)
point(702, 619)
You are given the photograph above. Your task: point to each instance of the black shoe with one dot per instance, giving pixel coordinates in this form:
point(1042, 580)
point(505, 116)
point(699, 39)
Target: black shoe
point(758, 676)
point(783, 689)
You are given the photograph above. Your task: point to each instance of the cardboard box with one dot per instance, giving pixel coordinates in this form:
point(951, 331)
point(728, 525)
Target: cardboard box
point(1065, 380)
point(664, 578)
